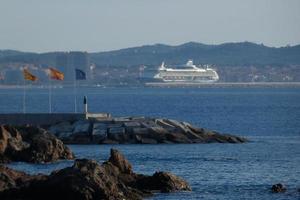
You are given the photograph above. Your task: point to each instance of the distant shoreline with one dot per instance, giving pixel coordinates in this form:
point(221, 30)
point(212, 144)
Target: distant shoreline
point(174, 85)
point(228, 84)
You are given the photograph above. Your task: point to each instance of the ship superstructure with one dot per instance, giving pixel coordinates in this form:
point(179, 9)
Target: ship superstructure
point(187, 73)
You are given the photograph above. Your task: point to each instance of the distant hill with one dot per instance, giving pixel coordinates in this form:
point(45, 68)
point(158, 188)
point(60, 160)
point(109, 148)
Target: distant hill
point(7, 56)
point(228, 54)
point(232, 54)
point(6, 53)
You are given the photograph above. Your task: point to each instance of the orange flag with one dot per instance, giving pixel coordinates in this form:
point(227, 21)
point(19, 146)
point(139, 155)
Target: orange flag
point(55, 74)
point(29, 76)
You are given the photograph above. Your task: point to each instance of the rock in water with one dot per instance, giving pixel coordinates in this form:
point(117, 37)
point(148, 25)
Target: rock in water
point(118, 160)
point(162, 182)
point(167, 182)
point(87, 180)
point(31, 144)
point(278, 188)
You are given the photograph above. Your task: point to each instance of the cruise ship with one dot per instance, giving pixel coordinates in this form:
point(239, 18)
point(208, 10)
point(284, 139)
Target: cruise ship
point(187, 73)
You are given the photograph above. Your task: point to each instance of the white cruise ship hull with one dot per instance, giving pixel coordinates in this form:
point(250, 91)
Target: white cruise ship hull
point(189, 81)
point(190, 73)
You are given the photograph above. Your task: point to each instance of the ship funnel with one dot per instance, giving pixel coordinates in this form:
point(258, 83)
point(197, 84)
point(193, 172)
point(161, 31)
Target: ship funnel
point(162, 65)
point(189, 63)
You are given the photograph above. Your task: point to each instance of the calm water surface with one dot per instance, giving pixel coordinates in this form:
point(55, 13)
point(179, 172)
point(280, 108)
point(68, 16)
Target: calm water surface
point(269, 117)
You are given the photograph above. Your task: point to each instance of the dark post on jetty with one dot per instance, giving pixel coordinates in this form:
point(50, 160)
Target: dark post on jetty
point(85, 104)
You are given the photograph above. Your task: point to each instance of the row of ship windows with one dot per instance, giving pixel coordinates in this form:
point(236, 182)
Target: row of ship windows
point(186, 78)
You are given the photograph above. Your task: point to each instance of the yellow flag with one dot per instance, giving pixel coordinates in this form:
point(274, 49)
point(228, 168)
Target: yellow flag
point(29, 76)
point(55, 74)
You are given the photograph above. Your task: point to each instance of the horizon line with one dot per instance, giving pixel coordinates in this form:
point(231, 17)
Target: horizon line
point(153, 44)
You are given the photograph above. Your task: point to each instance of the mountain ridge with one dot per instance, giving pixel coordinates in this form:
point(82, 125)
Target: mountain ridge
point(226, 54)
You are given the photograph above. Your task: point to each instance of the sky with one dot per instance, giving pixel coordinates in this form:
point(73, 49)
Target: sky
point(103, 25)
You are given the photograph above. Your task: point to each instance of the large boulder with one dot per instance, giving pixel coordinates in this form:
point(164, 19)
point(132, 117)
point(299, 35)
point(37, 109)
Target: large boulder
point(81, 127)
point(31, 144)
point(167, 182)
point(87, 180)
point(61, 127)
point(99, 131)
point(163, 182)
point(44, 147)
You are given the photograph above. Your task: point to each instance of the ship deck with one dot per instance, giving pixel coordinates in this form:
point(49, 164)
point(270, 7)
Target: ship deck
point(224, 84)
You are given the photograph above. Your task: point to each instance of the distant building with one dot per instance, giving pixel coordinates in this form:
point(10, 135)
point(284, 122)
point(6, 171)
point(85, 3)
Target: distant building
point(69, 61)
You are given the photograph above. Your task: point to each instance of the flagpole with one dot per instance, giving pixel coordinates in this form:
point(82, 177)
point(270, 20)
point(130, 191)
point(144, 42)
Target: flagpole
point(75, 94)
point(79, 75)
point(24, 97)
point(50, 86)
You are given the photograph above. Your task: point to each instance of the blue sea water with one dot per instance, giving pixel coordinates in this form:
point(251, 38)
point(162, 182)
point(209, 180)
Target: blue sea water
point(269, 117)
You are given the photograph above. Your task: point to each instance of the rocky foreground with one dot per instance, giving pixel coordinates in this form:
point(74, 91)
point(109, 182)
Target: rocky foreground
point(87, 180)
point(30, 144)
point(139, 130)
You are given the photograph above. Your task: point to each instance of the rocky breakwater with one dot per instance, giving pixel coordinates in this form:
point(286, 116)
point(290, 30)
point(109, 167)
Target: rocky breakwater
point(30, 144)
point(137, 130)
point(87, 180)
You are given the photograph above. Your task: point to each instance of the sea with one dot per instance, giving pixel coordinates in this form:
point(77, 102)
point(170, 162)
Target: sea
point(268, 117)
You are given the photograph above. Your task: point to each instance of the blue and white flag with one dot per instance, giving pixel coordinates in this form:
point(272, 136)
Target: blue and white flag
point(80, 75)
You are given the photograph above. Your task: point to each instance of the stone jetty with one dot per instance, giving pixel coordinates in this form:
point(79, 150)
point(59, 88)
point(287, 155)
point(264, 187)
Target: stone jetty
point(102, 128)
point(136, 130)
point(88, 180)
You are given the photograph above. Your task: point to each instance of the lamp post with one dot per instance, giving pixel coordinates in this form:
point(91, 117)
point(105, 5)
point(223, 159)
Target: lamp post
point(85, 104)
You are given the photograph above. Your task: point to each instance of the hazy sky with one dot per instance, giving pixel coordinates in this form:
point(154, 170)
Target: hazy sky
point(100, 25)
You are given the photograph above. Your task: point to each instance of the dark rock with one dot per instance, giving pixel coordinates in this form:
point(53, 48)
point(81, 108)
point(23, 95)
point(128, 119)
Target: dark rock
point(13, 179)
point(87, 180)
point(44, 147)
point(164, 124)
point(118, 160)
point(11, 143)
point(3, 139)
point(108, 141)
point(178, 138)
point(61, 128)
point(278, 188)
point(64, 135)
point(99, 131)
point(121, 137)
point(31, 144)
point(82, 126)
point(148, 141)
point(140, 131)
point(157, 133)
point(79, 138)
point(163, 182)
point(167, 142)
